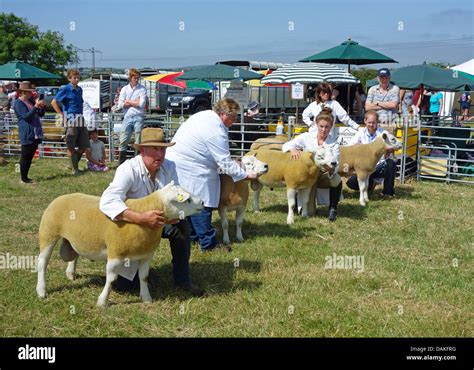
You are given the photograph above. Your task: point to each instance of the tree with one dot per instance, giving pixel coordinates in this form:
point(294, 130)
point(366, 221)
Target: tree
point(23, 41)
point(364, 74)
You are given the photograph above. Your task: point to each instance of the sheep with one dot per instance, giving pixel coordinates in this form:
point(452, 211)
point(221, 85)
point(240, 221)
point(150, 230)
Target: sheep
point(351, 159)
point(296, 175)
point(234, 196)
point(87, 232)
point(362, 159)
point(274, 142)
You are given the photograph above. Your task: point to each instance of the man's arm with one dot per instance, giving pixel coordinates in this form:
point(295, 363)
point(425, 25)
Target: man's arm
point(369, 102)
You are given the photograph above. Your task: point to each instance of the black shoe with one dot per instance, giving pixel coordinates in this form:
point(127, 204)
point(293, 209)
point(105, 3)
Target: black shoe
point(27, 181)
point(218, 247)
point(332, 214)
point(191, 289)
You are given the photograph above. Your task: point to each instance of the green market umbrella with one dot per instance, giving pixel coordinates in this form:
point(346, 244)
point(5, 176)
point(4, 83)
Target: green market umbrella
point(349, 52)
point(19, 71)
point(219, 72)
point(431, 77)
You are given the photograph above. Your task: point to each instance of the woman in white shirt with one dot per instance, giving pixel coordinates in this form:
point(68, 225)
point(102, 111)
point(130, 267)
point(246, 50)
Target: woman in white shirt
point(323, 99)
point(202, 153)
point(311, 140)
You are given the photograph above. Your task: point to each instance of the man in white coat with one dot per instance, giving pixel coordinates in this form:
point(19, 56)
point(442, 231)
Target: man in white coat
point(202, 153)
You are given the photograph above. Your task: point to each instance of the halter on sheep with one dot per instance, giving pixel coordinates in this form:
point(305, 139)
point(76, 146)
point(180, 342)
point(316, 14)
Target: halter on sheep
point(88, 232)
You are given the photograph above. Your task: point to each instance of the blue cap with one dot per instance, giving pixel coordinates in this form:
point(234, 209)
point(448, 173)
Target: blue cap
point(383, 72)
point(252, 105)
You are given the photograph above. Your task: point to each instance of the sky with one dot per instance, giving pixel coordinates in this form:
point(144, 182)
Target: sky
point(160, 34)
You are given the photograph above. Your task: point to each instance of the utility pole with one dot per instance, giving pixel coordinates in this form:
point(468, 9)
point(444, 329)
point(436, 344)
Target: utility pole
point(93, 51)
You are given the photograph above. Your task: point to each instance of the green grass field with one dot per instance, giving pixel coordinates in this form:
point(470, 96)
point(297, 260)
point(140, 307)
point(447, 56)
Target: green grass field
point(416, 281)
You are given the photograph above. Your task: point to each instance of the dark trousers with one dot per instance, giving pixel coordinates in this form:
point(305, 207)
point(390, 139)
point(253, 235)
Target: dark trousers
point(387, 170)
point(27, 154)
point(202, 230)
point(180, 245)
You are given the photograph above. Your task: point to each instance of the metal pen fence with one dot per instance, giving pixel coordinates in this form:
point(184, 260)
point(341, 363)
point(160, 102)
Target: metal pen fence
point(432, 148)
point(446, 152)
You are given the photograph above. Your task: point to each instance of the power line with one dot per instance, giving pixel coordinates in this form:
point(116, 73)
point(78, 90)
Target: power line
point(92, 51)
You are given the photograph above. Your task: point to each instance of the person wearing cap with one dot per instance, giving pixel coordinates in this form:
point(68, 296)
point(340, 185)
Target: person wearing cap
point(384, 98)
point(132, 100)
point(201, 154)
point(77, 135)
point(253, 109)
point(137, 178)
point(30, 130)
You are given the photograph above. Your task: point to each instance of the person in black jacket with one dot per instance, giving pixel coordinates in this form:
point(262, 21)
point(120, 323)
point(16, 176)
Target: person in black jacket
point(28, 111)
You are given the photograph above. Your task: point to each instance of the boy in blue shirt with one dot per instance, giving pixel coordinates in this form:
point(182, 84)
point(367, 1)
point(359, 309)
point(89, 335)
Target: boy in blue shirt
point(77, 136)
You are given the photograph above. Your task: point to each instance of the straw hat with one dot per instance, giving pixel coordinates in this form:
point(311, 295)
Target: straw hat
point(25, 86)
point(152, 137)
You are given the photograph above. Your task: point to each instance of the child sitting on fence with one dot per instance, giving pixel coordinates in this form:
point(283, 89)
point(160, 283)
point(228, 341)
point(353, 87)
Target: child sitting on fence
point(96, 153)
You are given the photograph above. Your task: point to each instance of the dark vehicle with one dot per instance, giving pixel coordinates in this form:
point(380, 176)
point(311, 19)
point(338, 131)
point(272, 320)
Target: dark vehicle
point(189, 102)
point(48, 93)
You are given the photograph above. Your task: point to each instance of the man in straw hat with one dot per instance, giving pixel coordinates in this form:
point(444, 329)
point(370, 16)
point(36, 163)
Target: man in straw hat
point(137, 178)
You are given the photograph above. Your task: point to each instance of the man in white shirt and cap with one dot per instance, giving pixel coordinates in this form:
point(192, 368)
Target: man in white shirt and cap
point(386, 167)
point(137, 178)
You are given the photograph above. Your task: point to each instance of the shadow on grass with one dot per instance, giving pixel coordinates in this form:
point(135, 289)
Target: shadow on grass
point(253, 231)
point(215, 277)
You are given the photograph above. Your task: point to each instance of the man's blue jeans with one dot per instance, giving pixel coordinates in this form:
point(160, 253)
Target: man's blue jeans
point(202, 230)
point(129, 125)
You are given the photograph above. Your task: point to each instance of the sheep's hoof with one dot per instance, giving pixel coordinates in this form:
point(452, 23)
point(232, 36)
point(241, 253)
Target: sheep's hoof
point(147, 299)
point(42, 294)
point(290, 221)
point(362, 203)
point(239, 239)
point(71, 276)
point(101, 304)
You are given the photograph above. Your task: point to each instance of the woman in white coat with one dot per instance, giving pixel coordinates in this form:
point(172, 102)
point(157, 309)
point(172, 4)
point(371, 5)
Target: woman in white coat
point(202, 153)
point(324, 99)
point(309, 142)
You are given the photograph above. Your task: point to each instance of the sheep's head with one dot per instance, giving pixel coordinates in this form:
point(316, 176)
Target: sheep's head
point(391, 142)
point(250, 163)
point(323, 156)
point(178, 203)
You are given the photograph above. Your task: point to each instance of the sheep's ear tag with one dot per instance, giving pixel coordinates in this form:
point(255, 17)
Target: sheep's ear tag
point(182, 197)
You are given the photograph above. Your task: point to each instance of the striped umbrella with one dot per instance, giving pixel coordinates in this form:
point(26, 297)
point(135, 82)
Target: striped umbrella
point(309, 73)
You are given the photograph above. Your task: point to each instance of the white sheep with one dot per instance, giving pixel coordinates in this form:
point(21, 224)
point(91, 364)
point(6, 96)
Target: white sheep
point(234, 196)
point(88, 232)
point(297, 175)
point(362, 159)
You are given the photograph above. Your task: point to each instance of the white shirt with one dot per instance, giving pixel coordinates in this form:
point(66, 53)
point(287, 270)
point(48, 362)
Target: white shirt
point(338, 112)
point(308, 142)
point(202, 153)
point(365, 137)
point(129, 93)
point(132, 181)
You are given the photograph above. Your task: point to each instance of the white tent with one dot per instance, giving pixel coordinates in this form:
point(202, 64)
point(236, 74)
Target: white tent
point(467, 67)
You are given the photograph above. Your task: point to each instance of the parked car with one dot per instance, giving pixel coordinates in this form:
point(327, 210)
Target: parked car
point(190, 101)
point(48, 93)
